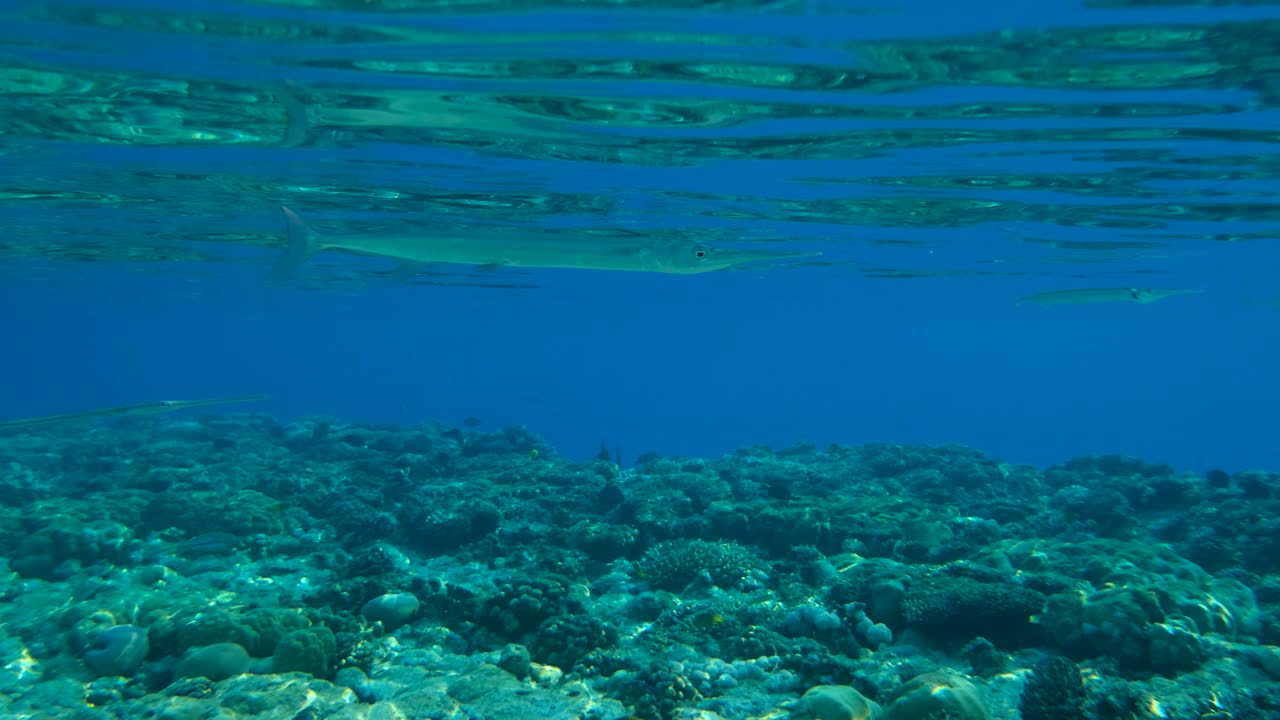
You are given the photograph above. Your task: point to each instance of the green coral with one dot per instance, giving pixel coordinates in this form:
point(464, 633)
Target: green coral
point(268, 626)
point(565, 639)
point(199, 628)
point(939, 694)
point(313, 651)
point(963, 607)
point(673, 565)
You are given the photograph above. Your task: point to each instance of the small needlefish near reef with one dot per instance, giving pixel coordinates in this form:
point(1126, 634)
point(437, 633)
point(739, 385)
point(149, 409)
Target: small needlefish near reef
point(494, 250)
point(1143, 296)
point(214, 543)
point(159, 406)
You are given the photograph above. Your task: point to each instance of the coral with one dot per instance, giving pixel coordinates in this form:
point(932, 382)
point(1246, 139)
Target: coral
point(516, 660)
point(1143, 628)
point(519, 607)
point(564, 639)
point(517, 440)
point(687, 587)
point(358, 521)
point(197, 628)
point(603, 542)
point(371, 561)
point(50, 551)
point(1118, 700)
point(312, 651)
point(809, 620)
point(267, 626)
point(936, 694)
point(391, 609)
point(814, 663)
point(119, 650)
point(835, 702)
point(673, 565)
point(983, 657)
point(657, 691)
point(360, 650)
point(961, 608)
point(214, 662)
point(1054, 691)
point(242, 513)
point(439, 529)
point(757, 642)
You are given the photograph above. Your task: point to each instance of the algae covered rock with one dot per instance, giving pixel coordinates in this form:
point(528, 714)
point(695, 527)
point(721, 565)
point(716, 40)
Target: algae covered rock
point(961, 608)
point(258, 630)
point(242, 513)
point(214, 662)
point(119, 650)
point(54, 552)
point(936, 694)
point(195, 628)
point(391, 609)
point(1136, 625)
point(312, 651)
point(268, 626)
point(835, 702)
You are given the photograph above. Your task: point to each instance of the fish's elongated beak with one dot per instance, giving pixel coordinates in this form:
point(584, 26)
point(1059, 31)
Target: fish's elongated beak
point(727, 257)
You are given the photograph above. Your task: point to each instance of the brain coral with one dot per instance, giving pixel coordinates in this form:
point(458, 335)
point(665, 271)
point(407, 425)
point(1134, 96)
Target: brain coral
point(934, 695)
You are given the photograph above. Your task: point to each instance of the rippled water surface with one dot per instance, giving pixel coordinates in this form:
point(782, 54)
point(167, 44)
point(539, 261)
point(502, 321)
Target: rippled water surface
point(1120, 143)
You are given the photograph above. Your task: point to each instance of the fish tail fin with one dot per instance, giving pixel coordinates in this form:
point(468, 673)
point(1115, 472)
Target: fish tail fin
point(303, 243)
point(297, 124)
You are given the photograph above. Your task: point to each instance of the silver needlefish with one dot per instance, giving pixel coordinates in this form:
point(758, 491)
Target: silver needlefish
point(1142, 296)
point(159, 406)
point(497, 250)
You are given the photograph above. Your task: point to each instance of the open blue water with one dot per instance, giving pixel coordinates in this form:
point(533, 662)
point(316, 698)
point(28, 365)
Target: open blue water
point(945, 158)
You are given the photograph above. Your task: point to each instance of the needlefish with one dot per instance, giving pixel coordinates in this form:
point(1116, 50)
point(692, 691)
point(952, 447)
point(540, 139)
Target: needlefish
point(493, 250)
point(149, 408)
point(1143, 296)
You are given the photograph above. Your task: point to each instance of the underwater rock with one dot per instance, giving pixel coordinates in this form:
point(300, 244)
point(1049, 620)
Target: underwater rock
point(312, 651)
point(515, 660)
point(57, 551)
point(878, 634)
point(391, 609)
point(268, 626)
point(120, 650)
point(194, 628)
point(936, 694)
point(835, 702)
point(355, 680)
point(214, 662)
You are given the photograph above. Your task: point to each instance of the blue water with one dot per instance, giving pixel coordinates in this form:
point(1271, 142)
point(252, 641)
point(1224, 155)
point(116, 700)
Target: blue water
point(945, 159)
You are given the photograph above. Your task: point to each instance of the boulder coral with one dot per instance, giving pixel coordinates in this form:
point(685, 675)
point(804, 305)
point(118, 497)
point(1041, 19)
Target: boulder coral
point(937, 694)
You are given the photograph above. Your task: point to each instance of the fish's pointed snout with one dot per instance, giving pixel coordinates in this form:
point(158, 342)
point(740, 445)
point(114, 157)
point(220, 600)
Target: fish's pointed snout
point(732, 257)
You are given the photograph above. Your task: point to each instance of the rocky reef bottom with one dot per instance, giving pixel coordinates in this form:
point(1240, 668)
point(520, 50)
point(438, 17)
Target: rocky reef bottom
point(233, 567)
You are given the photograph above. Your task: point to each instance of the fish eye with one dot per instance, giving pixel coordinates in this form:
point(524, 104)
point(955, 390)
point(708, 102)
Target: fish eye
point(699, 252)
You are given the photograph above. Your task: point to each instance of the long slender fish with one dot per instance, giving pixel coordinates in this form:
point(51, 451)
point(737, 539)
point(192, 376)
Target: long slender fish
point(159, 406)
point(492, 250)
point(1143, 296)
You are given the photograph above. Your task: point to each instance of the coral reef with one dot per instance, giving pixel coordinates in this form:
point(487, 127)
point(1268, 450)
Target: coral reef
point(239, 567)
